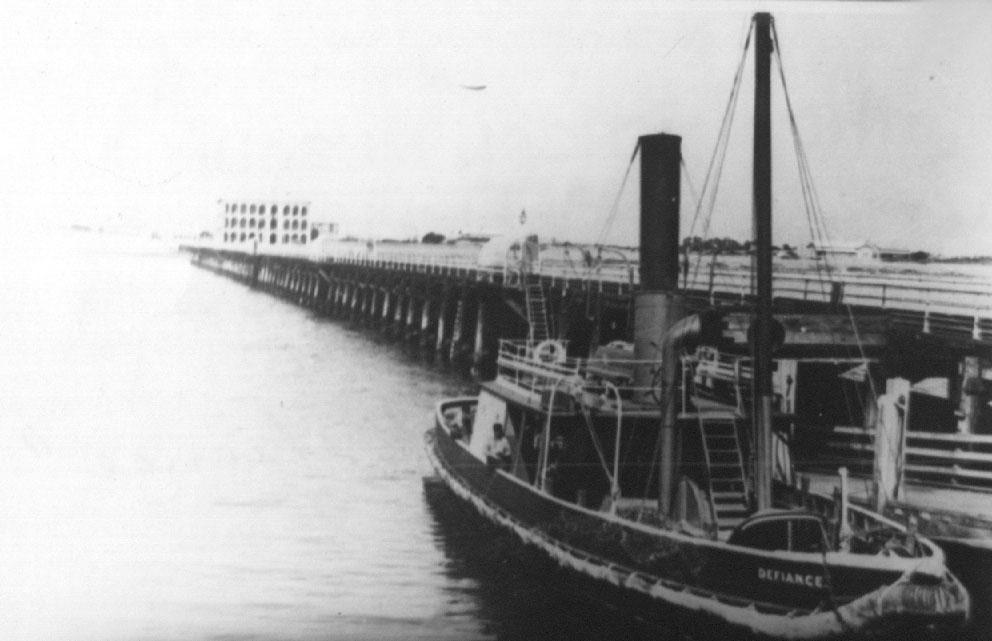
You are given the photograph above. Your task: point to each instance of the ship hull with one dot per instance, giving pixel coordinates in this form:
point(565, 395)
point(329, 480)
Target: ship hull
point(784, 596)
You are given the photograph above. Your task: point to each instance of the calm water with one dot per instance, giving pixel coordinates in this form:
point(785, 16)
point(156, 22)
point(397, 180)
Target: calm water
point(183, 458)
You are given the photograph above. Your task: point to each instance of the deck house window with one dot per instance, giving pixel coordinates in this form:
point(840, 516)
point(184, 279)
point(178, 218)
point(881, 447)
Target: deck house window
point(797, 533)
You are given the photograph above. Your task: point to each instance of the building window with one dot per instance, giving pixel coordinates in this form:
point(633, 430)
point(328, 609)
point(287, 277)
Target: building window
point(296, 224)
point(285, 210)
point(313, 233)
point(244, 222)
point(285, 238)
point(243, 236)
point(242, 208)
point(251, 210)
point(296, 210)
point(251, 236)
point(273, 209)
point(251, 222)
point(303, 212)
point(303, 224)
point(285, 224)
point(272, 239)
point(274, 224)
point(303, 238)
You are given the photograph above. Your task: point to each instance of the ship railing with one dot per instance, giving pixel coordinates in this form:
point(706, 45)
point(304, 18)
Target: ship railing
point(934, 458)
point(710, 363)
point(534, 367)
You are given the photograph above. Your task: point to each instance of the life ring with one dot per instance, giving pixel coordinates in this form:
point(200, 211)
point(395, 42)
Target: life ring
point(550, 351)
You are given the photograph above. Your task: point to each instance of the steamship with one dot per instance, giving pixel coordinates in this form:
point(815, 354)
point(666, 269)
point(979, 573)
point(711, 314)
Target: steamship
point(661, 470)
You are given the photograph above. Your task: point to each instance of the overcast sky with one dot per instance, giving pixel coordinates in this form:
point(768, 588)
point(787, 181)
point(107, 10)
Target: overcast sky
point(154, 111)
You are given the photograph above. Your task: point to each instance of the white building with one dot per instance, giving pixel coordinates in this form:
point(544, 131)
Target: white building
point(860, 252)
point(243, 222)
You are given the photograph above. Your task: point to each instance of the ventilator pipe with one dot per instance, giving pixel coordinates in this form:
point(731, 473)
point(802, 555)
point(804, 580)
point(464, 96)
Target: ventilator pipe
point(706, 328)
point(703, 328)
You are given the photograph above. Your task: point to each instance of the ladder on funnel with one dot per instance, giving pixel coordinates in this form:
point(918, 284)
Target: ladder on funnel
point(724, 469)
point(537, 313)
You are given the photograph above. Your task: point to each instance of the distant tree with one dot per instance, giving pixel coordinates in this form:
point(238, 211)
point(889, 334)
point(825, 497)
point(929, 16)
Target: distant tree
point(432, 238)
point(692, 243)
point(919, 256)
point(730, 246)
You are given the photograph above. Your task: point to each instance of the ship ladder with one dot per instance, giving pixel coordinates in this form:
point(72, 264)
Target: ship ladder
point(724, 469)
point(537, 314)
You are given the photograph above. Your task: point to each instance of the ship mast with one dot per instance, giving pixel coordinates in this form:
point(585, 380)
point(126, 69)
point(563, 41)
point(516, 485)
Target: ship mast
point(761, 338)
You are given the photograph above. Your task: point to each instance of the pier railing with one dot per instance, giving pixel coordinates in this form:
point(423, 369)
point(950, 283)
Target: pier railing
point(924, 302)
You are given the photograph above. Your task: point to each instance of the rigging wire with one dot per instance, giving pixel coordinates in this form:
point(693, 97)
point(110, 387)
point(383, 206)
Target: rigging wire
point(707, 199)
point(616, 201)
point(816, 222)
point(694, 195)
point(811, 202)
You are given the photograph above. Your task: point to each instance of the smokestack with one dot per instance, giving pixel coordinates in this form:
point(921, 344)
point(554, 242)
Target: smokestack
point(660, 176)
point(658, 305)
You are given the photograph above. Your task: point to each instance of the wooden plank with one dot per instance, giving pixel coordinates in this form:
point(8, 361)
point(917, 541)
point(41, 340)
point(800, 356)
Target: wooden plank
point(945, 471)
point(950, 455)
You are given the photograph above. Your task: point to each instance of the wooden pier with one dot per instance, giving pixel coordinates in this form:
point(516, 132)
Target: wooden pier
point(455, 310)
